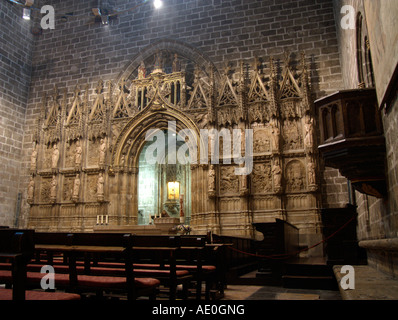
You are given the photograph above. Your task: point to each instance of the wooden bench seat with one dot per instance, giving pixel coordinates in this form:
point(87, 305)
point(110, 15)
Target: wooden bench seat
point(111, 282)
point(6, 294)
point(33, 279)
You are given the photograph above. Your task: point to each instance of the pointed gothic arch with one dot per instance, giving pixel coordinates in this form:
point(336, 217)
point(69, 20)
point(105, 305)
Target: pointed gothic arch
point(175, 46)
point(130, 143)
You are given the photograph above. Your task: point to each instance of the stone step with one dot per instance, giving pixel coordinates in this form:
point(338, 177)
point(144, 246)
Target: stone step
point(309, 273)
point(309, 282)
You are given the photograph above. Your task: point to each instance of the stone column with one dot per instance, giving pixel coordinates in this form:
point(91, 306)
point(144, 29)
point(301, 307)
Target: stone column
point(133, 192)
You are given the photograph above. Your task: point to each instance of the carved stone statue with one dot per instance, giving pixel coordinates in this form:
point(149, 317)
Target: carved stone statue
point(142, 71)
point(212, 179)
point(55, 157)
point(31, 189)
point(158, 66)
point(102, 152)
point(76, 188)
point(311, 173)
point(100, 187)
point(275, 137)
point(277, 173)
point(78, 154)
point(243, 184)
point(33, 159)
point(53, 190)
point(309, 137)
point(176, 64)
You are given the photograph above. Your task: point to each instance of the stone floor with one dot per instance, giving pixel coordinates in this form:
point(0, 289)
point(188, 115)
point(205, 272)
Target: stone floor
point(370, 284)
point(241, 292)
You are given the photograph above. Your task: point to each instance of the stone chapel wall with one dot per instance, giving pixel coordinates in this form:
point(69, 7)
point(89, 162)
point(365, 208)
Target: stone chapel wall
point(377, 218)
point(80, 52)
point(15, 72)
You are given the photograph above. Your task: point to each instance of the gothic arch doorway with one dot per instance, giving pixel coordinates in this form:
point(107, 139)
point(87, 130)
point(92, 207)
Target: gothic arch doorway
point(141, 187)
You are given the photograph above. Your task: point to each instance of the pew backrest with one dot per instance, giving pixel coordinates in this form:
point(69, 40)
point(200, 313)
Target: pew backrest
point(17, 246)
point(53, 238)
point(17, 241)
point(156, 241)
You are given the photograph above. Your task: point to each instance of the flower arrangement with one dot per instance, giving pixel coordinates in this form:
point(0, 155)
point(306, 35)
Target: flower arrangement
point(183, 228)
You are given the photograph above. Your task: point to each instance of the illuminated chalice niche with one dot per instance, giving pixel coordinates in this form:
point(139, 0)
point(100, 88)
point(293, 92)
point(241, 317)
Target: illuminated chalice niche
point(173, 190)
point(161, 185)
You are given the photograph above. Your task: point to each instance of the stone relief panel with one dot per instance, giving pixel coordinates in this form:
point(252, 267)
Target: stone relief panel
point(91, 187)
point(229, 182)
point(93, 152)
point(47, 157)
point(67, 190)
point(295, 176)
point(261, 178)
point(45, 189)
point(261, 143)
point(70, 151)
point(292, 137)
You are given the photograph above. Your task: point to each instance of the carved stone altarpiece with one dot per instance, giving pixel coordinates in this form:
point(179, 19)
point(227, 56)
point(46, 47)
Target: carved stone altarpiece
point(85, 159)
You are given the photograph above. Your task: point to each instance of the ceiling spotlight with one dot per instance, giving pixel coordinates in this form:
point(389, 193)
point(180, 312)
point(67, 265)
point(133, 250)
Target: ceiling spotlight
point(26, 13)
point(105, 20)
point(158, 4)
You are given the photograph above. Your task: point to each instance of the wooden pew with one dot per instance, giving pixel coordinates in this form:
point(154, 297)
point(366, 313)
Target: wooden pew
point(80, 249)
point(151, 256)
point(173, 260)
point(17, 248)
point(156, 256)
point(194, 255)
point(213, 268)
point(48, 239)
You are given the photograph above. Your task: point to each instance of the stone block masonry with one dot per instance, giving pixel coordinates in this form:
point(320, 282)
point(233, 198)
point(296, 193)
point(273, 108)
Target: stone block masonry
point(15, 72)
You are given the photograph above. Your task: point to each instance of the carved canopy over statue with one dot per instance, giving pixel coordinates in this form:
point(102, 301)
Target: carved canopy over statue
point(85, 159)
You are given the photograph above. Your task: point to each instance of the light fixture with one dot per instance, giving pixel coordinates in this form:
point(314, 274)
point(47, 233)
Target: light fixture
point(157, 4)
point(105, 20)
point(26, 9)
point(173, 190)
point(26, 13)
point(98, 13)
